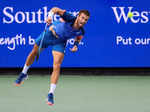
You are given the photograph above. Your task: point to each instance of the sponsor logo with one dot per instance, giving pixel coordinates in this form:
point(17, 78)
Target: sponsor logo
point(11, 15)
point(121, 14)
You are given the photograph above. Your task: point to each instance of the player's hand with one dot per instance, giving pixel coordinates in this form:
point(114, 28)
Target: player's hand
point(74, 49)
point(48, 21)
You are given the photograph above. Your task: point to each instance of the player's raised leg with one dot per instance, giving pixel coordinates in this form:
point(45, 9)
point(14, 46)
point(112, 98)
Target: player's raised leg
point(30, 59)
point(57, 60)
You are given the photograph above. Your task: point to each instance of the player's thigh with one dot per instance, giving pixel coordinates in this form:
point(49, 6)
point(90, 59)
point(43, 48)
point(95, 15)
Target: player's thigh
point(57, 57)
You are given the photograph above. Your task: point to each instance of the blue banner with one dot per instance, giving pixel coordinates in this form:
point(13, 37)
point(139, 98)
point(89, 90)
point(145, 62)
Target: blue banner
point(113, 38)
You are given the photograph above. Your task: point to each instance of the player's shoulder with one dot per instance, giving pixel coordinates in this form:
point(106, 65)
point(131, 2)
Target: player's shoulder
point(68, 13)
point(68, 17)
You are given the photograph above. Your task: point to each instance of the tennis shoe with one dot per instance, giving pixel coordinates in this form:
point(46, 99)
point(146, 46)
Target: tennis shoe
point(21, 79)
point(50, 99)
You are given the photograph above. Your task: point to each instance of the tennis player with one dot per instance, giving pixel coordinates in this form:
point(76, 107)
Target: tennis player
point(56, 35)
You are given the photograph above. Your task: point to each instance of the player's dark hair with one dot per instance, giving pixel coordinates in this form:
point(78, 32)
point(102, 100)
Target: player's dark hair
point(86, 12)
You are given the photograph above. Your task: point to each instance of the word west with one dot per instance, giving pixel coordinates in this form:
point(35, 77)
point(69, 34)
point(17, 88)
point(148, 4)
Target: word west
point(121, 13)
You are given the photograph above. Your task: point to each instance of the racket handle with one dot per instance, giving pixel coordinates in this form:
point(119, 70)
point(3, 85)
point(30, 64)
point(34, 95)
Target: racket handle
point(40, 46)
point(37, 57)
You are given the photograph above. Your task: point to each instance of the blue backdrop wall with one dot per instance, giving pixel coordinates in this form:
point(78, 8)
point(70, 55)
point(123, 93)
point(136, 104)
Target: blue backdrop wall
point(112, 39)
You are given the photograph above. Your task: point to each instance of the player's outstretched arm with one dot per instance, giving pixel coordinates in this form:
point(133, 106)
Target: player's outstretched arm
point(54, 10)
point(57, 10)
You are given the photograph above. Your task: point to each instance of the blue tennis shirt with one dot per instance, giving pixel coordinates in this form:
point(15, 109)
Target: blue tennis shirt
point(65, 30)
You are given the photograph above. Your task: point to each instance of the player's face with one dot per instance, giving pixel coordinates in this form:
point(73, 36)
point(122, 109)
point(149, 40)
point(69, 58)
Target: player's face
point(82, 19)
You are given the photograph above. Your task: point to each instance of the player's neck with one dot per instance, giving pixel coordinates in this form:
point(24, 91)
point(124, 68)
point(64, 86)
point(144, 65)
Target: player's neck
point(75, 25)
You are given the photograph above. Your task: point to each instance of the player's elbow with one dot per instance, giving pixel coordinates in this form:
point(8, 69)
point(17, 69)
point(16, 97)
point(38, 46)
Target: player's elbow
point(58, 11)
point(54, 9)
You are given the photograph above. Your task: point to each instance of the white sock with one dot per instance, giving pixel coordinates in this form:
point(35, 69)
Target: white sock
point(25, 69)
point(52, 88)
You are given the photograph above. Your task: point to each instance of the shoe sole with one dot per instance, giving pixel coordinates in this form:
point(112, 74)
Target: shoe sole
point(50, 103)
point(16, 84)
